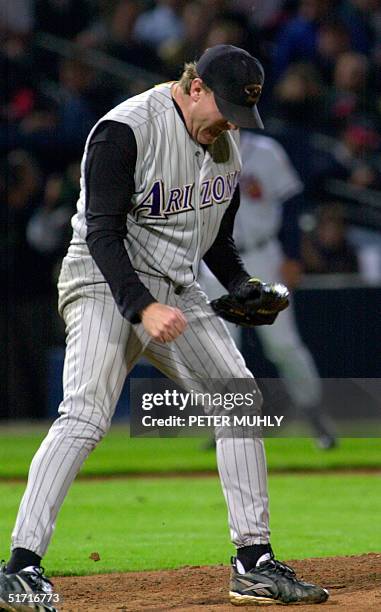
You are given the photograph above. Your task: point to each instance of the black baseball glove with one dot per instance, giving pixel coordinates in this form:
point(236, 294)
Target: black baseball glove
point(252, 303)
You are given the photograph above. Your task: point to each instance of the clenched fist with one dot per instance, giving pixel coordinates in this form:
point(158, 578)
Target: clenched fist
point(163, 323)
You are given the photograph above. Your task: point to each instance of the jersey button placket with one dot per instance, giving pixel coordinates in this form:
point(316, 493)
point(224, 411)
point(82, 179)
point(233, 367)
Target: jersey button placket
point(199, 155)
point(204, 173)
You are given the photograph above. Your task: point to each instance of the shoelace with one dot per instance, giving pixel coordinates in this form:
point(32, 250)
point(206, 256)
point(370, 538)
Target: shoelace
point(280, 567)
point(38, 579)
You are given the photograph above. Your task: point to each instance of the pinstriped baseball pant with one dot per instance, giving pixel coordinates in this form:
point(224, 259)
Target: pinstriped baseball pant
point(102, 347)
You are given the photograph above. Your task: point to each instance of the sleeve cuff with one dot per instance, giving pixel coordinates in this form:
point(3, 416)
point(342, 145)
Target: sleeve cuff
point(237, 281)
point(131, 313)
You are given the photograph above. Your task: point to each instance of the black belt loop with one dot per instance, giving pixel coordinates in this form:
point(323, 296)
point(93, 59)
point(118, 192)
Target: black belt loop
point(178, 289)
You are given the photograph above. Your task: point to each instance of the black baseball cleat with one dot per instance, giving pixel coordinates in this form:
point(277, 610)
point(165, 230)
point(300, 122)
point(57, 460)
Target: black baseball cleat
point(271, 582)
point(322, 429)
point(326, 441)
point(29, 589)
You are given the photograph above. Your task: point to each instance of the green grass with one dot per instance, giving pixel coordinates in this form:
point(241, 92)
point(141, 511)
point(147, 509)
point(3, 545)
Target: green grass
point(166, 523)
point(120, 454)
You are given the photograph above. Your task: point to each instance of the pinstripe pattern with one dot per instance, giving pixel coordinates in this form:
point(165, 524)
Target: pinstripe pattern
point(205, 351)
point(102, 346)
point(170, 245)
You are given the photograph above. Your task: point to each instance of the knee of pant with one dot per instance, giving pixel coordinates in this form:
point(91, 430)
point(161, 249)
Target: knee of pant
point(80, 429)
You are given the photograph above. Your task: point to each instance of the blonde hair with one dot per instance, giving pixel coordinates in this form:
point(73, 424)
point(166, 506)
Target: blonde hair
point(188, 75)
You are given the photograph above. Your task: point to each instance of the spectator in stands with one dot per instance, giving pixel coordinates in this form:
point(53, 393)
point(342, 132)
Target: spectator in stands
point(16, 17)
point(28, 116)
point(297, 40)
point(81, 85)
point(48, 230)
point(161, 23)
point(357, 152)
point(299, 96)
point(333, 39)
point(175, 52)
point(358, 15)
point(115, 35)
point(366, 176)
point(325, 250)
point(296, 114)
point(262, 14)
point(96, 32)
point(17, 95)
point(204, 30)
point(57, 129)
point(26, 277)
point(349, 93)
point(51, 123)
point(232, 29)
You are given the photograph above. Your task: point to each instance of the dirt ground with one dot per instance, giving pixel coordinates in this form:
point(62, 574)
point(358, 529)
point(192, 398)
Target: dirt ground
point(354, 584)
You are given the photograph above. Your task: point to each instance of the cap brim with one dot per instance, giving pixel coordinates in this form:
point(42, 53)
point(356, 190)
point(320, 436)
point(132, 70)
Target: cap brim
point(243, 116)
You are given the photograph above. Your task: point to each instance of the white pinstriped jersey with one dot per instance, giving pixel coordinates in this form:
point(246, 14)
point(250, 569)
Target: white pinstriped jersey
point(181, 190)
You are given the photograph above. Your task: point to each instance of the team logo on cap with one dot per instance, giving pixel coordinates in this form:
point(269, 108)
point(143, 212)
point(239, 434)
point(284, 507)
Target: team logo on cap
point(253, 93)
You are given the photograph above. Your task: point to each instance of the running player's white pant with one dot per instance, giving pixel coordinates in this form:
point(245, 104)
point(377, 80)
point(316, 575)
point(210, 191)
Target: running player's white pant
point(281, 342)
point(102, 347)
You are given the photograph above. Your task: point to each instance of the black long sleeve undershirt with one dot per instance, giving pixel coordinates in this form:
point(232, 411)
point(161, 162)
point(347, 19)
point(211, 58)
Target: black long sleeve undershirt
point(109, 177)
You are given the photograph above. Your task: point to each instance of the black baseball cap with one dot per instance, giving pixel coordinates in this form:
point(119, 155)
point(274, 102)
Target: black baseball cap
point(236, 79)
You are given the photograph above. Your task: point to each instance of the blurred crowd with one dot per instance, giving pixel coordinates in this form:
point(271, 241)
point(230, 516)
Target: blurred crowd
point(321, 101)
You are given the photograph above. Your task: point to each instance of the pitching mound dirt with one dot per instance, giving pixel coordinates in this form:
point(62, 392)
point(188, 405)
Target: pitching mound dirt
point(354, 584)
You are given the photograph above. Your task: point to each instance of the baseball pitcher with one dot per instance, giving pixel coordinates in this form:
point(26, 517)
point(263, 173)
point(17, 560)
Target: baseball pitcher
point(158, 194)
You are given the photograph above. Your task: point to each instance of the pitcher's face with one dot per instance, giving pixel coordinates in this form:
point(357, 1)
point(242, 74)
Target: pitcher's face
point(206, 121)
